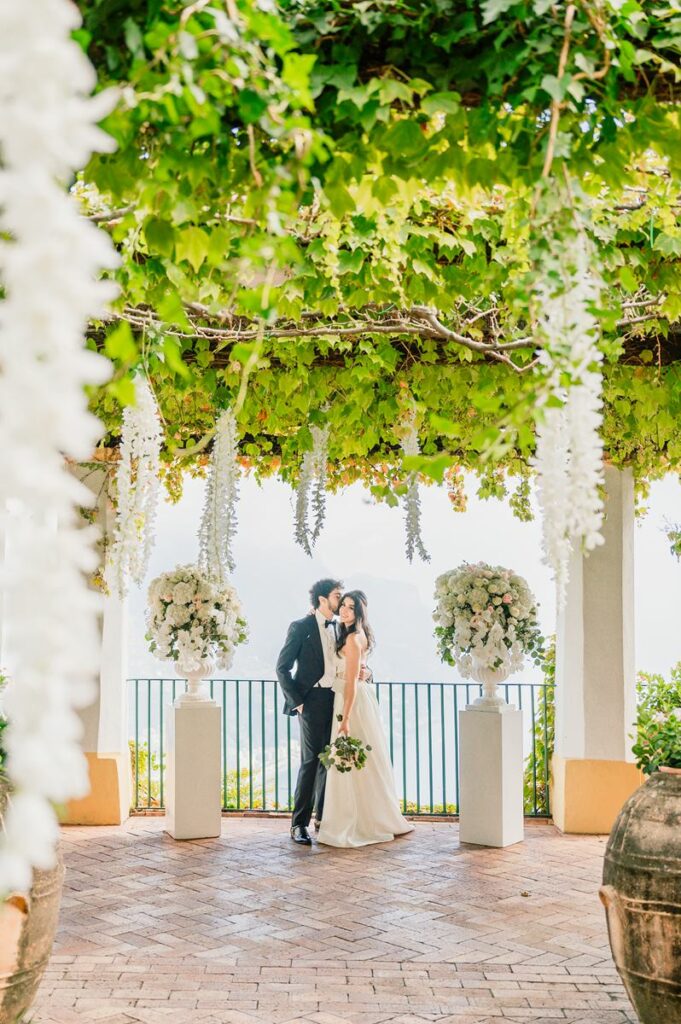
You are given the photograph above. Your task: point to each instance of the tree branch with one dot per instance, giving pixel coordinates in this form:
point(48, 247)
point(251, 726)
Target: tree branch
point(418, 321)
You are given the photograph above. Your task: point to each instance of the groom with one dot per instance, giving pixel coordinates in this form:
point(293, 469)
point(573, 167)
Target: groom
point(305, 671)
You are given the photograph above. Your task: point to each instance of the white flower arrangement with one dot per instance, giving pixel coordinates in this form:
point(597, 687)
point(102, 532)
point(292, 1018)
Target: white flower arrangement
point(219, 519)
point(569, 456)
point(51, 260)
point(137, 491)
point(486, 617)
point(412, 500)
point(192, 617)
point(312, 490)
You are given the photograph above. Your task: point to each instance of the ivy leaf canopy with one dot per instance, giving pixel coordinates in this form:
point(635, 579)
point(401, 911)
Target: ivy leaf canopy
point(334, 213)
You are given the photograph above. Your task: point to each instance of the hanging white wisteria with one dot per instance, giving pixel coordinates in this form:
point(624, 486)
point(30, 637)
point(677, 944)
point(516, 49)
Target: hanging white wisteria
point(50, 262)
point(137, 491)
point(311, 491)
point(219, 520)
point(569, 457)
point(412, 500)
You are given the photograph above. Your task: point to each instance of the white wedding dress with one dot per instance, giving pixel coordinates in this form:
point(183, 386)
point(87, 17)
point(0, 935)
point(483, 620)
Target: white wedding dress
point(361, 806)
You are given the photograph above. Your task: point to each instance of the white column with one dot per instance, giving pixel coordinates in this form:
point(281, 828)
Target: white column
point(491, 776)
point(193, 797)
point(105, 725)
point(596, 673)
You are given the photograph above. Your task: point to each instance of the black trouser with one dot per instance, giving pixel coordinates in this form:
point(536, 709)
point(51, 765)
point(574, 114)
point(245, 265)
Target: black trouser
point(315, 734)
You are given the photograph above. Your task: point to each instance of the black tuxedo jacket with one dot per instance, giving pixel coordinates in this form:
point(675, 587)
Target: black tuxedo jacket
point(301, 662)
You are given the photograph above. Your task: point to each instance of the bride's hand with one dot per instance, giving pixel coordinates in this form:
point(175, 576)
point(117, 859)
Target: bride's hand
point(344, 728)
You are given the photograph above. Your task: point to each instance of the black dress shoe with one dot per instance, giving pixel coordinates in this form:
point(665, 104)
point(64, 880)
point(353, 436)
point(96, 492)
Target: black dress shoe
point(299, 834)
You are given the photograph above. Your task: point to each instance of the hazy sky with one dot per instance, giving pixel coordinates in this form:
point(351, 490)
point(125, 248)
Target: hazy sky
point(363, 543)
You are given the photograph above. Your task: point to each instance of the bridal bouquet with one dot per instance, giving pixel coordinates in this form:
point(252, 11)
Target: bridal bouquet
point(191, 617)
point(345, 753)
point(486, 616)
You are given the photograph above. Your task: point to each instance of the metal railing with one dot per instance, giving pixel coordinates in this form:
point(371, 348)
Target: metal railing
point(260, 749)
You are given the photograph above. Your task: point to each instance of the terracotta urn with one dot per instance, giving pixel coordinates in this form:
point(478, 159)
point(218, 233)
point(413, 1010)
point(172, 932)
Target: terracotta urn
point(642, 896)
point(28, 922)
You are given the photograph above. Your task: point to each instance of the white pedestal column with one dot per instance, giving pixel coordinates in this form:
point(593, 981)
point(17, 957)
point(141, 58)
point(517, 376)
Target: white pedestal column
point(193, 803)
point(593, 770)
point(491, 776)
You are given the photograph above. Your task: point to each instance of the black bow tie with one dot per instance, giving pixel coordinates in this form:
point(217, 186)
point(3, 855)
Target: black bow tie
point(330, 622)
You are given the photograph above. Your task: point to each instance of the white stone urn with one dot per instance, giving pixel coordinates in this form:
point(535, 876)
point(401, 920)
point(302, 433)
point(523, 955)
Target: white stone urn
point(196, 690)
point(490, 678)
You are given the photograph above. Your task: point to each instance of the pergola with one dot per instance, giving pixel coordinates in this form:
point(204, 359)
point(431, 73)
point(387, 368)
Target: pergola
point(391, 219)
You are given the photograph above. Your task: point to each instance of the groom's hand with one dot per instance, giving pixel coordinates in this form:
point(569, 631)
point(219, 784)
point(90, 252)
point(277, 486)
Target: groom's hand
point(299, 709)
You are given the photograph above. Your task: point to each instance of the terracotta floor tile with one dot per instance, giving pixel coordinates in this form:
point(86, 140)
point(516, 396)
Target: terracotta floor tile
point(249, 929)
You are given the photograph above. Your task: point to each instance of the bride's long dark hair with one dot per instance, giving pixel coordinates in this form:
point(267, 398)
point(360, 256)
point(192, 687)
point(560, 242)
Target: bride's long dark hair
point(359, 599)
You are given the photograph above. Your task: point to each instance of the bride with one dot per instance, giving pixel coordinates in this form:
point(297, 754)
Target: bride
point(361, 806)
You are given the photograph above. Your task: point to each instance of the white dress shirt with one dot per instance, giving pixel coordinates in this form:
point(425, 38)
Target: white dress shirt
point(328, 638)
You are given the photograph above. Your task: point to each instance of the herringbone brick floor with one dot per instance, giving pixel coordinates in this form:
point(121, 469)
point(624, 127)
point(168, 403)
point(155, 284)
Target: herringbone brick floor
point(250, 928)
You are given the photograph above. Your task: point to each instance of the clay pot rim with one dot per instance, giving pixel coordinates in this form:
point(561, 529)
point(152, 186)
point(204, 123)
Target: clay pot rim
point(669, 771)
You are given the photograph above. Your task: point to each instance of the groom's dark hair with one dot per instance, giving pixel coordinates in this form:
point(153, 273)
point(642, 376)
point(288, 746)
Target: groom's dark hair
point(322, 588)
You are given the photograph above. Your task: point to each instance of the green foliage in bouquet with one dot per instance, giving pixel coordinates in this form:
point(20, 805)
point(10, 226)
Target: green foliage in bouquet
point(658, 723)
point(674, 537)
point(345, 753)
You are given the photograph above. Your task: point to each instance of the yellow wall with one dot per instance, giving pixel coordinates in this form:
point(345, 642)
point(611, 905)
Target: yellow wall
point(108, 802)
point(587, 795)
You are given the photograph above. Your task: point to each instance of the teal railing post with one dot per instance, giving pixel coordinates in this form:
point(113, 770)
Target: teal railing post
point(161, 711)
point(262, 741)
point(250, 742)
point(137, 744)
point(238, 748)
point(224, 744)
point(417, 726)
point(288, 761)
point(390, 714)
point(430, 747)
point(149, 750)
point(547, 788)
point(534, 755)
point(456, 746)
point(404, 748)
point(444, 748)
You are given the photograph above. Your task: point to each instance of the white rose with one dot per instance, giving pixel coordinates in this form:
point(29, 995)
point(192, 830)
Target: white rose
point(183, 593)
point(176, 615)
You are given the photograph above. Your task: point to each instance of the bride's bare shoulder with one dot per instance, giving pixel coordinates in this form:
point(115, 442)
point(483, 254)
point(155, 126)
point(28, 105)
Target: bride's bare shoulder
point(361, 640)
point(356, 645)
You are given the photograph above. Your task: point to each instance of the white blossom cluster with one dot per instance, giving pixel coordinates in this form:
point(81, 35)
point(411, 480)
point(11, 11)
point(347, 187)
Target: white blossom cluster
point(486, 616)
point(311, 491)
point(50, 263)
point(569, 457)
point(219, 520)
point(137, 491)
point(192, 617)
point(412, 502)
